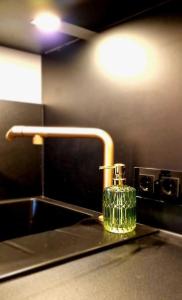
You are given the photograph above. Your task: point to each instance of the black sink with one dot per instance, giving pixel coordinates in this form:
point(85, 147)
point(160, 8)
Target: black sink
point(29, 216)
point(37, 233)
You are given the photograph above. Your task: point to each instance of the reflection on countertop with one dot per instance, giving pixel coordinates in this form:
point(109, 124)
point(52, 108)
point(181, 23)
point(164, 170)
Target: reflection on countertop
point(148, 268)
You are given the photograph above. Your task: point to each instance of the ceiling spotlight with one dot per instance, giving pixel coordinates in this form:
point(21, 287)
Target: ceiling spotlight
point(47, 22)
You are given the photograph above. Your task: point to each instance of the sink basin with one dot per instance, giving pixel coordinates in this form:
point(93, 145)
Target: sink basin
point(37, 233)
point(29, 216)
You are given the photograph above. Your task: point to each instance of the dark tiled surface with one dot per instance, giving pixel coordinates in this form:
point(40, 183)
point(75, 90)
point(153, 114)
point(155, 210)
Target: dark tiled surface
point(163, 215)
point(20, 166)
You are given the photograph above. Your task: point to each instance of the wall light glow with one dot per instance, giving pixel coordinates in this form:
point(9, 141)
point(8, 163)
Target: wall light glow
point(20, 76)
point(121, 56)
point(47, 22)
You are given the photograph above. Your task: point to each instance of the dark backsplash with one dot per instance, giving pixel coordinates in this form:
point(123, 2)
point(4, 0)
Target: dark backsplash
point(142, 116)
point(21, 162)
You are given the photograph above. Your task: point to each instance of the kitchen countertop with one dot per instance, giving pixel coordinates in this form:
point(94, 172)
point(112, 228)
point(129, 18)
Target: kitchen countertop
point(148, 268)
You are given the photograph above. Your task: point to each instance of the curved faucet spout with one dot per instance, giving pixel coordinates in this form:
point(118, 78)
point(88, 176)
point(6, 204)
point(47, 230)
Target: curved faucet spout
point(70, 132)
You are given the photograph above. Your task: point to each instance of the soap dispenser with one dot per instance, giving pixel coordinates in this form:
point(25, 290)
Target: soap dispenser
point(119, 203)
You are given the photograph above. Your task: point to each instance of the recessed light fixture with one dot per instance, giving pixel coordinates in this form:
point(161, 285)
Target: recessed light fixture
point(47, 22)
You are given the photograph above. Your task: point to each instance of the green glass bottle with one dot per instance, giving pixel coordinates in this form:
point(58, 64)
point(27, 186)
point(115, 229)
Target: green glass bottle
point(119, 203)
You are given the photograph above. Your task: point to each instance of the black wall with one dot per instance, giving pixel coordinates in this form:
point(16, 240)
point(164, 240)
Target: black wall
point(142, 114)
point(20, 166)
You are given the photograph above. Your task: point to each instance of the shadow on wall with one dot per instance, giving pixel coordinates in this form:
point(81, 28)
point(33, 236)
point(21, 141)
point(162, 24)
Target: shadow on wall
point(20, 161)
point(72, 171)
point(11, 188)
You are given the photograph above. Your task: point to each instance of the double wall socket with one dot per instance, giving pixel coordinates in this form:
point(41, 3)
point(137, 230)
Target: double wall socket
point(158, 184)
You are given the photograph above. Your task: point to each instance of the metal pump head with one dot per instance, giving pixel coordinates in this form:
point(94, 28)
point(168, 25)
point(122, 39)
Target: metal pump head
point(119, 171)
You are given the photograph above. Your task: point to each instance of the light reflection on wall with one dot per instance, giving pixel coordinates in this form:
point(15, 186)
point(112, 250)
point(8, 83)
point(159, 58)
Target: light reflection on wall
point(20, 76)
point(124, 57)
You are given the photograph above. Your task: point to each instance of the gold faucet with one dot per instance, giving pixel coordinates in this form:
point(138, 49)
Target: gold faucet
point(39, 133)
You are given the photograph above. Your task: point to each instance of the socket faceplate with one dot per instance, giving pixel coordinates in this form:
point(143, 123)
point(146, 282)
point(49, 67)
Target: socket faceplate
point(158, 184)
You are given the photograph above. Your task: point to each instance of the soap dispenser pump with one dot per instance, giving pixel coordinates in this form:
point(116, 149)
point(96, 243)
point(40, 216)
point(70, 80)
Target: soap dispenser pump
point(119, 203)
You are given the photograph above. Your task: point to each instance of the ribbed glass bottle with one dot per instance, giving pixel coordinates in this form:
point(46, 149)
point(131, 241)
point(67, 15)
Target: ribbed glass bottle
point(119, 208)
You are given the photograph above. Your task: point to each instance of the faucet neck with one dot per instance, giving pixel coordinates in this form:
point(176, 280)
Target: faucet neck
point(70, 132)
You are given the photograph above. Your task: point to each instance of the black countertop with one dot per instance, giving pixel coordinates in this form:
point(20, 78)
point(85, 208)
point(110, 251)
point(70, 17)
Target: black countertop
point(146, 269)
point(39, 233)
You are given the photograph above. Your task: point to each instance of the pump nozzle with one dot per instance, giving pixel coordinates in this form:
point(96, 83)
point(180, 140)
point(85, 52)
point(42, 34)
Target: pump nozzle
point(118, 172)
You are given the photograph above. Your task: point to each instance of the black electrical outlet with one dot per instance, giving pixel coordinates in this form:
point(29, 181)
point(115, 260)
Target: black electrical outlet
point(146, 183)
point(162, 185)
point(169, 187)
